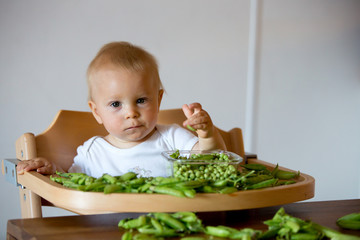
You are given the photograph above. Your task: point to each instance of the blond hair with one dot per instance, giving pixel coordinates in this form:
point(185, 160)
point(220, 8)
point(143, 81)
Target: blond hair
point(127, 56)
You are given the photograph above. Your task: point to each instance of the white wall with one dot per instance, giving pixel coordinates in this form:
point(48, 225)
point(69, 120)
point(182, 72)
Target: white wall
point(307, 77)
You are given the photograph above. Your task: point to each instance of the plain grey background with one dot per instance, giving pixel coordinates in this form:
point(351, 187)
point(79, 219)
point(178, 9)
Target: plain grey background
point(286, 72)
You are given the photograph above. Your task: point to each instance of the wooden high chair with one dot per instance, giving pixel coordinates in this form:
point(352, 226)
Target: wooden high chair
point(72, 128)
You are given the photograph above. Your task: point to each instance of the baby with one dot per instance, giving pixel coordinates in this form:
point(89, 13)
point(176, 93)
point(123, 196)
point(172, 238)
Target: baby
point(125, 93)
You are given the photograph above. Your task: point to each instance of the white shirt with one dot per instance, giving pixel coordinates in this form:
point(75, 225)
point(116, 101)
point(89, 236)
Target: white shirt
point(97, 156)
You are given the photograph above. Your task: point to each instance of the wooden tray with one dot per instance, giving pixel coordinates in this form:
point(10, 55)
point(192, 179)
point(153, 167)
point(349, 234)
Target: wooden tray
point(95, 202)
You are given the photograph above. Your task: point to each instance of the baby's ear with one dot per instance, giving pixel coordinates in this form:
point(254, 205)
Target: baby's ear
point(161, 93)
point(93, 108)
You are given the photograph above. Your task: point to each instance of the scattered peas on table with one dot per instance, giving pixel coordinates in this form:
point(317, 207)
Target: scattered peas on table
point(187, 226)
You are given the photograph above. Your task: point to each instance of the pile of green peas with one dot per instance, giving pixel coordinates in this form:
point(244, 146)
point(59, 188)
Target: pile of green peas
point(214, 166)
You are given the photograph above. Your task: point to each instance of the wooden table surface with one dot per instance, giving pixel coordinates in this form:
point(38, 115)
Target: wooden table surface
point(104, 226)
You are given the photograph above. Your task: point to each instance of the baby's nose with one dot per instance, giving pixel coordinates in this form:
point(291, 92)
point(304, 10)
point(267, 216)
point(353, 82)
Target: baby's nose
point(132, 112)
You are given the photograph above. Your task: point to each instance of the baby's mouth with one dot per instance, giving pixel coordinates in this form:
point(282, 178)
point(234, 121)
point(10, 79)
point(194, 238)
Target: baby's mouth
point(133, 127)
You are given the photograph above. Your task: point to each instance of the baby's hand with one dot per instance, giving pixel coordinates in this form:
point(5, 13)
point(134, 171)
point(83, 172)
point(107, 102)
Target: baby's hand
point(41, 165)
point(198, 119)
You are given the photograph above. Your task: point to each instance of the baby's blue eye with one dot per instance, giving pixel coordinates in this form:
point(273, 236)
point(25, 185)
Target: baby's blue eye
point(141, 100)
point(115, 104)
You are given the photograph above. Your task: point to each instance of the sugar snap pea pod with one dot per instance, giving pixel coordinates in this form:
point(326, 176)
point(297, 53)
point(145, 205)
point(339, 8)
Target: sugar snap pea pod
point(304, 236)
point(127, 176)
point(108, 178)
point(142, 236)
point(170, 221)
point(220, 183)
point(144, 188)
point(192, 238)
point(133, 223)
point(285, 175)
point(270, 234)
point(254, 166)
point(195, 227)
point(217, 231)
point(168, 191)
point(191, 184)
point(349, 221)
point(190, 193)
point(70, 184)
point(95, 186)
point(155, 223)
point(191, 128)
point(257, 179)
point(208, 189)
point(185, 216)
point(112, 188)
point(164, 233)
point(126, 236)
point(286, 182)
point(205, 157)
point(263, 184)
point(57, 179)
point(137, 182)
point(275, 170)
point(228, 190)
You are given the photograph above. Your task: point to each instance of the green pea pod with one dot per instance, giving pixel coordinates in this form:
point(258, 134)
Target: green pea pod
point(156, 224)
point(254, 166)
point(208, 189)
point(185, 216)
point(170, 221)
point(220, 183)
point(168, 191)
point(144, 187)
point(137, 182)
point(304, 236)
point(111, 188)
point(126, 236)
point(95, 186)
point(285, 175)
point(263, 184)
point(349, 221)
point(191, 184)
point(133, 223)
point(70, 184)
point(228, 190)
point(271, 233)
point(257, 179)
point(142, 236)
point(190, 193)
point(109, 179)
point(217, 231)
point(191, 128)
point(192, 238)
point(275, 170)
point(127, 176)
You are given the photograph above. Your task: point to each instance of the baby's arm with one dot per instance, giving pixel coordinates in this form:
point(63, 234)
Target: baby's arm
point(199, 119)
point(41, 165)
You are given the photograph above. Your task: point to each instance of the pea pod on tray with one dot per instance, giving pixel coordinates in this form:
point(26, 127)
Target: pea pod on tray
point(218, 175)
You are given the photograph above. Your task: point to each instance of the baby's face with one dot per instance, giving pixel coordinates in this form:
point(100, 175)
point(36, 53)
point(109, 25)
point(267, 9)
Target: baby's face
point(126, 103)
